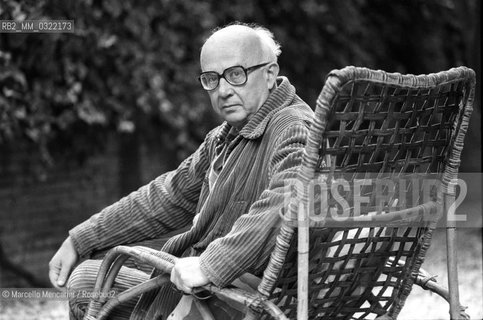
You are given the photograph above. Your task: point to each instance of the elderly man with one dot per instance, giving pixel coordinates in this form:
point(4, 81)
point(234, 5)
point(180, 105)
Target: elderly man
point(231, 189)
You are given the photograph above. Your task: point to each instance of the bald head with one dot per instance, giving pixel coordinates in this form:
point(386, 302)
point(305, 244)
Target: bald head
point(256, 44)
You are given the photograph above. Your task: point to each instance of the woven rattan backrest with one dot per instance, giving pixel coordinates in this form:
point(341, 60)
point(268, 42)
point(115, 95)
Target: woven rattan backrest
point(371, 124)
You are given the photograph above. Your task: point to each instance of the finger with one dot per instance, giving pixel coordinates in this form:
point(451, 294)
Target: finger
point(174, 279)
point(53, 274)
point(63, 275)
point(187, 290)
point(178, 282)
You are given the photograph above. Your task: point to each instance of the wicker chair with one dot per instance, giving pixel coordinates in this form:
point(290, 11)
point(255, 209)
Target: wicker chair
point(345, 251)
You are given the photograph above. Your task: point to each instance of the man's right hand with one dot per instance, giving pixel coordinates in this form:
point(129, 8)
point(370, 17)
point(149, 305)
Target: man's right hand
point(62, 263)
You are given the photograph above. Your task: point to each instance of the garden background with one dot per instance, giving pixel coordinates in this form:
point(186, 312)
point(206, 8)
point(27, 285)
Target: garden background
point(88, 117)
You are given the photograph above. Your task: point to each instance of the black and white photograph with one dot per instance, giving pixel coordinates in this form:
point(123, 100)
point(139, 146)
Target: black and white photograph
point(236, 160)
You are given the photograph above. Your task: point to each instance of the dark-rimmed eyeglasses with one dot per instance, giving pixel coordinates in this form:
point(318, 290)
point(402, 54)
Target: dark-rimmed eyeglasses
point(236, 76)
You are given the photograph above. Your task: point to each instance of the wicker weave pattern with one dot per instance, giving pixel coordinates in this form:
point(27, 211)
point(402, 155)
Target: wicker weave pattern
point(372, 122)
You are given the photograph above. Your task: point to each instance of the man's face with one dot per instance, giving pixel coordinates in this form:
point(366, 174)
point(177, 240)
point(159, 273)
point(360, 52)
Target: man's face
point(236, 104)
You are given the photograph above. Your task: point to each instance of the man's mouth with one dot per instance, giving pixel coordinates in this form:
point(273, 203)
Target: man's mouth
point(228, 106)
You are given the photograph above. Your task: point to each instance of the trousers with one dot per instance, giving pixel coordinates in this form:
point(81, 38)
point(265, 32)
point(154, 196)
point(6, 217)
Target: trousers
point(83, 278)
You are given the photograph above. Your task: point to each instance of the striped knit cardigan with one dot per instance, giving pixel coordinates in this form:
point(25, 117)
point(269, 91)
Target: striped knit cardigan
point(239, 218)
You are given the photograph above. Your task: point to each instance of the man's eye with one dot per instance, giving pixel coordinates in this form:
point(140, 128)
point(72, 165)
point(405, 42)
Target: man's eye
point(235, 74)
point(211, 78)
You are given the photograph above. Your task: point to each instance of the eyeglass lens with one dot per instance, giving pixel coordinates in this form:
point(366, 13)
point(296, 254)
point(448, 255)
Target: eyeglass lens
point(234, 75)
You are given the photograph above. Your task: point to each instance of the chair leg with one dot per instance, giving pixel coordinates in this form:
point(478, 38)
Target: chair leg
point(452, 273)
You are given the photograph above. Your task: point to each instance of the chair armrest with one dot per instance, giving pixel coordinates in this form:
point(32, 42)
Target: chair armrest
point(100, 306)
point(99, 311)
point(404, 217)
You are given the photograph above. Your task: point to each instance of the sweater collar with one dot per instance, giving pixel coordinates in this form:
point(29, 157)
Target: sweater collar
point(282, 96)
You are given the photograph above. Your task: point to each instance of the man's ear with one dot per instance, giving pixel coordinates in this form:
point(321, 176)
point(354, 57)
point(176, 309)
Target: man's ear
point(272, 73)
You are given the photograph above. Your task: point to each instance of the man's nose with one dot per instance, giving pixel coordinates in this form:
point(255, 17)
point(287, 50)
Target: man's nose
point(224, 88)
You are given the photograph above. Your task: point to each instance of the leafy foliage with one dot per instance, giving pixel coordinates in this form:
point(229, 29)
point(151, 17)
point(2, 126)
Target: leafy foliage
point(128, 67)
point(131, 66)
